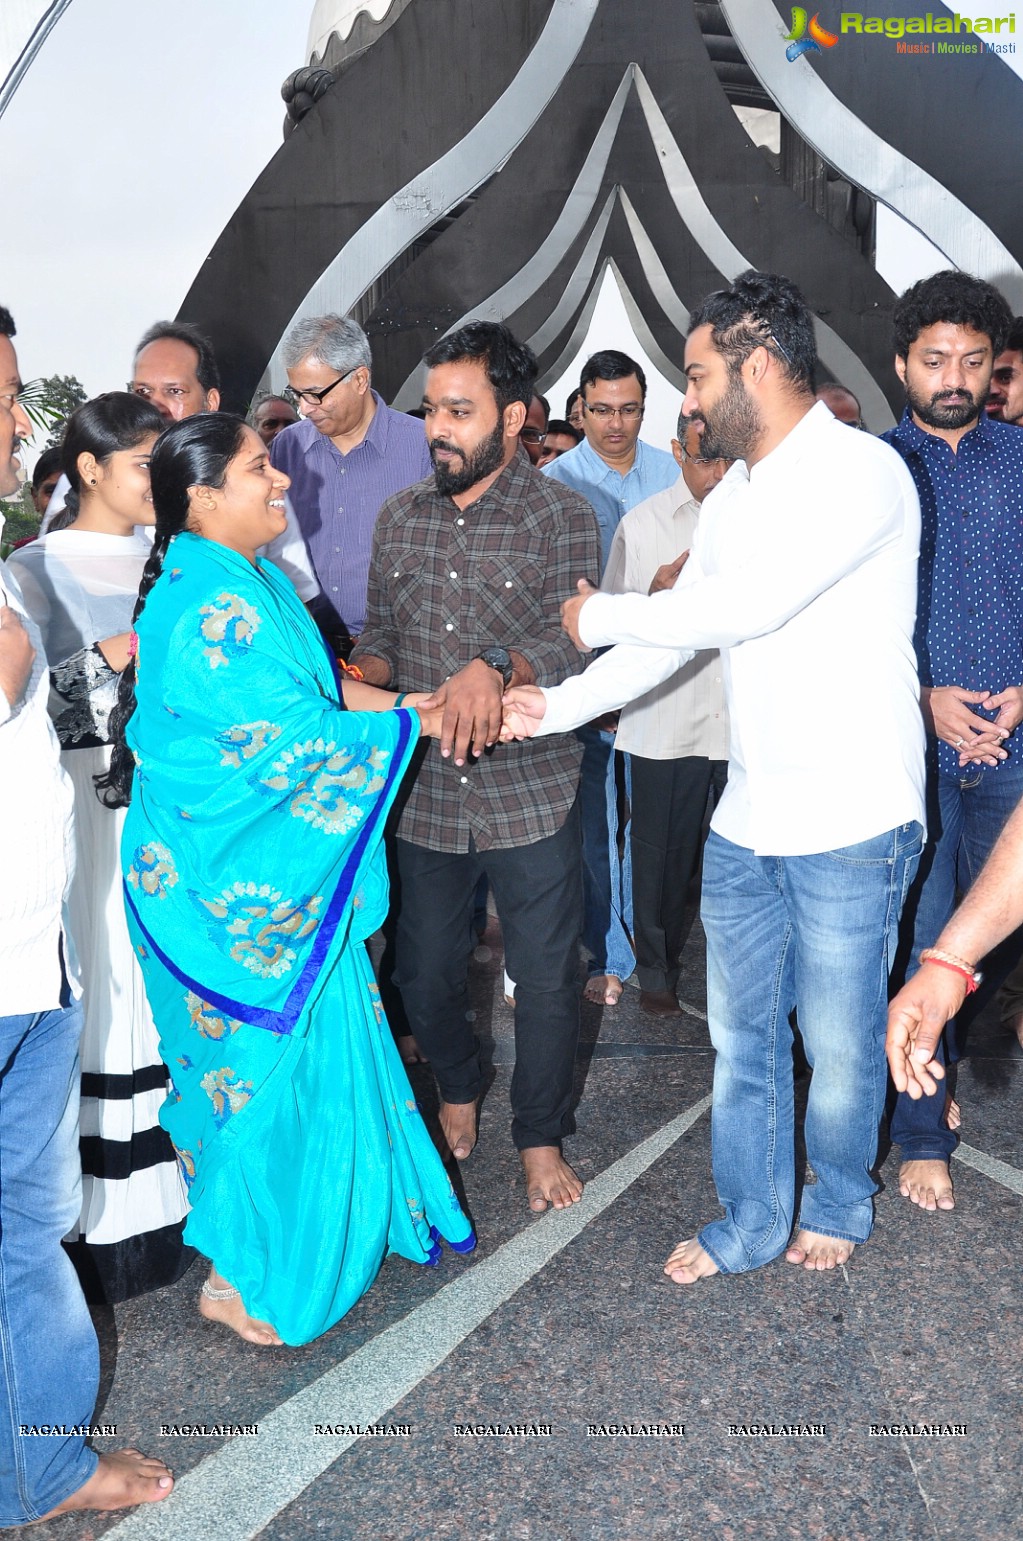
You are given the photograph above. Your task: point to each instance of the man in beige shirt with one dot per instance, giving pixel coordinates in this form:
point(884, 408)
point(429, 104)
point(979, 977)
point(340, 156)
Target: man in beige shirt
point(677, 734)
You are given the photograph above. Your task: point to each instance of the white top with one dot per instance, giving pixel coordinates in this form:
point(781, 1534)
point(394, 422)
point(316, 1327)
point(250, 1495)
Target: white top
point(37, 855)
point(287, 551)
point(804, 571)
point(686, 714)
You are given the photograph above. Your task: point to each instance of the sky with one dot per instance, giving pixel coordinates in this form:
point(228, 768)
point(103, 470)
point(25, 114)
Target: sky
point(135, 135)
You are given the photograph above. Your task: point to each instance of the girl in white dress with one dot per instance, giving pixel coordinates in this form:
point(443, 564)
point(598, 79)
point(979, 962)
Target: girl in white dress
point(80, 584)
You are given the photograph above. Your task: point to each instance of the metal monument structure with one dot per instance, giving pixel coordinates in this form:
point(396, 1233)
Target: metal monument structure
point(475, 158)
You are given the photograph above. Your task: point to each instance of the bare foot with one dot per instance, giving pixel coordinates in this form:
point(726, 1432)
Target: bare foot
point(953, 1113)
point(690, 1262)
point(549, 1178)
point(232, 1313)
point(927, 1184)
point(122, 1479)
point(411, 1053)
point(603, 989)
point(458, 1125)
point(817, 1252)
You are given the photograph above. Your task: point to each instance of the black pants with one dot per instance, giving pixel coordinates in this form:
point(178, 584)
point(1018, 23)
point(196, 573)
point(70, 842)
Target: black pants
point(538, 890)
point(669, 800)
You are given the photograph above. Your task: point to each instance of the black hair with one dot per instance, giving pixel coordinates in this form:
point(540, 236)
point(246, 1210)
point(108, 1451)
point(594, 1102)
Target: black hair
point(7, 326)
point(48, 462)
point(953, 297)
point(114, 421)
point(206, 371)
point(545, 404)
point(194, 452)
point(1014, 337)
point(570, 403)
point(610, 365)
point(510, 365)
point(563, 426)
point(761, 310)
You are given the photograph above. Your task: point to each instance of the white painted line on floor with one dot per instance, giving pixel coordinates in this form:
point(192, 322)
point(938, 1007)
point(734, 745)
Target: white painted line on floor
point(693, 1011)
point(235, 1493)
point(999, 1171)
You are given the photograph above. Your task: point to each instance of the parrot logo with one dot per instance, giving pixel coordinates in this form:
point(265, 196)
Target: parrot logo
point(818, 40)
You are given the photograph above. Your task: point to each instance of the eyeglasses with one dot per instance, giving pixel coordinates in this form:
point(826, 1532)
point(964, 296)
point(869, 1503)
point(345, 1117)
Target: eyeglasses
point(277, 422)
point(602, 412)
point(704, 460)
point(532, 436)
point(314, 398)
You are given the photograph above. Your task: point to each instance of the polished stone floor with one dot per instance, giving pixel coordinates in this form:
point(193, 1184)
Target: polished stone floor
point(562, 1331)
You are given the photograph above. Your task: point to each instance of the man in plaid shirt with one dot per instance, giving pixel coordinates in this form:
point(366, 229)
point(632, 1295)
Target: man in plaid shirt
point(466, 579)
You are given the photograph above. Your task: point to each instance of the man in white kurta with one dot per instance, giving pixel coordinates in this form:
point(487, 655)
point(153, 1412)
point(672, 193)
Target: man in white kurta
point(803, 572)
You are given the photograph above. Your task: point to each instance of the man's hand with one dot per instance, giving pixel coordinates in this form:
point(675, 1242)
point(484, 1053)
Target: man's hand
point(16, 656)
point(472, 710)
point(524, 709)
point(570, 613)
point(664, 577)
point(946, 710)
point(1009, 706)
point(915, 1020)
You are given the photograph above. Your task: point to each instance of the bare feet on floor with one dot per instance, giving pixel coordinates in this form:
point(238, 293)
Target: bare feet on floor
point(953, 1113)
point(809, 1249)
point(549, 1178)
point(927, 1184)
point(122, 1479)
point(603, 989)
point(232, 1313)
point(690, 1262)
point(458, 1125)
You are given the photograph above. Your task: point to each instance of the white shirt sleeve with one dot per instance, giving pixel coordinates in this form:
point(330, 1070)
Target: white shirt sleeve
point(723, 609)
point(610, 682)
point(289, 552)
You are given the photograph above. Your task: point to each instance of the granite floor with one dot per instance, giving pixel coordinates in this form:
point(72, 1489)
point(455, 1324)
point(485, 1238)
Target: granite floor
point(562, 1330)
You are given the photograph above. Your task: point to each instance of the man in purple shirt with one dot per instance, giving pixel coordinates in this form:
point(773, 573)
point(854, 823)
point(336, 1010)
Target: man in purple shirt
point(348, 454)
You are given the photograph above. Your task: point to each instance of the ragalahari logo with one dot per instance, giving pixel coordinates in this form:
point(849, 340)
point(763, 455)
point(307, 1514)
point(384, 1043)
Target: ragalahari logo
point(799, 43)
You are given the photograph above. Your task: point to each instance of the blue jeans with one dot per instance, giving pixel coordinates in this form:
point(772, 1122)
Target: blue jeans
point(965, 816)
point(607, 879)
point(50, 1355)
point(817, 934)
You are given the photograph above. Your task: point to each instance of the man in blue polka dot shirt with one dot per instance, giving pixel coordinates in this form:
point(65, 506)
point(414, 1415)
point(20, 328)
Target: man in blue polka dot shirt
point(968, 469)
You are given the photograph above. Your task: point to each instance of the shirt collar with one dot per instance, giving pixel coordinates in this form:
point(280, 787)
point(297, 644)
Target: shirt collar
point(375, 435)
point(911, 436)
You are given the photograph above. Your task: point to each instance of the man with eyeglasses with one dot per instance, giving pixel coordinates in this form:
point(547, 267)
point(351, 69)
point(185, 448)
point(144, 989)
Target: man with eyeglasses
point(349, 453)
point(533, 433)
point(677, 735)
point(614, 470)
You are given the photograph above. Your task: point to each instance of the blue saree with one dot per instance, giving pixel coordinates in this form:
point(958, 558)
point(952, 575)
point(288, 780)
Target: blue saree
point(254, 872)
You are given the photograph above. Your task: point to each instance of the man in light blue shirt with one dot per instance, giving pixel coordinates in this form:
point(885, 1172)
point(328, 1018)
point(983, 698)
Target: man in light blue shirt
point(615, 471)
point(612, 467)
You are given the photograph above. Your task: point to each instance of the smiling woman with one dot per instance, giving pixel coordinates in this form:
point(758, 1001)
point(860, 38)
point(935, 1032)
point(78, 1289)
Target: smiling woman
point(254, 872)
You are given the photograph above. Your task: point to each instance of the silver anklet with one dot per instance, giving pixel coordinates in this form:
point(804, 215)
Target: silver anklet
point(212, 1294)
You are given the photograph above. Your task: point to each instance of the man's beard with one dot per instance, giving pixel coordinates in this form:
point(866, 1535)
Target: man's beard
point(938, 411)
point(733, 427)
point(483, 461)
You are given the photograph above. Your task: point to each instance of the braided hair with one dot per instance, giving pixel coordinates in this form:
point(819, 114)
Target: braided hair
point(194, 452)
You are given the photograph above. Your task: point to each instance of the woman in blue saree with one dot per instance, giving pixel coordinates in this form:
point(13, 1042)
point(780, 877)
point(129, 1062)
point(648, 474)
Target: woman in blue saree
point(254, 872)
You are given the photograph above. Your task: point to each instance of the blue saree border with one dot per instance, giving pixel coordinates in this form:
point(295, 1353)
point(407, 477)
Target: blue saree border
point(283, 1022)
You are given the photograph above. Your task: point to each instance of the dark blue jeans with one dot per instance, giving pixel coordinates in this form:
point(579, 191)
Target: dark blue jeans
point(965, 816)
point(538, 892)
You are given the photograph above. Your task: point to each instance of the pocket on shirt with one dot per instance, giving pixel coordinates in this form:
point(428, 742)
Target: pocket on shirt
point(508, 599)
point(404, 589)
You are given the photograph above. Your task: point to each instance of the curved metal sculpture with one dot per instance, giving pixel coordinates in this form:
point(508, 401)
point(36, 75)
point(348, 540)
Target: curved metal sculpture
point(576, 134)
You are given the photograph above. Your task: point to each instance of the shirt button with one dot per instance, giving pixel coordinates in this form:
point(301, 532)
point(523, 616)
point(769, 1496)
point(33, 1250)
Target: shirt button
point(449, 626)
point(338, 550)
point(507, 583)
point(334, 589)
point(464, 780)
point(459, 521)
point(340, 510)
point(452, 575)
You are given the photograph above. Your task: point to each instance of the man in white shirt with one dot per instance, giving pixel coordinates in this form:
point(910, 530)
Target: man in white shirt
point(803, 571)
point(676, 735)
point(49, 1362)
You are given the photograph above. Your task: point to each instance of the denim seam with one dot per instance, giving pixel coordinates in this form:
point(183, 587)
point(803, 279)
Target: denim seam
point(772, 1146)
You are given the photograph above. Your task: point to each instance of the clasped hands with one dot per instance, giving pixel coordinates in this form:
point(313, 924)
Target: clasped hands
point(947, 710)
point(470, 712)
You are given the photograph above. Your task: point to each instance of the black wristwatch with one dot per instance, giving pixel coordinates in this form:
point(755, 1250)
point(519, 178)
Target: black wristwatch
point(499, 658)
